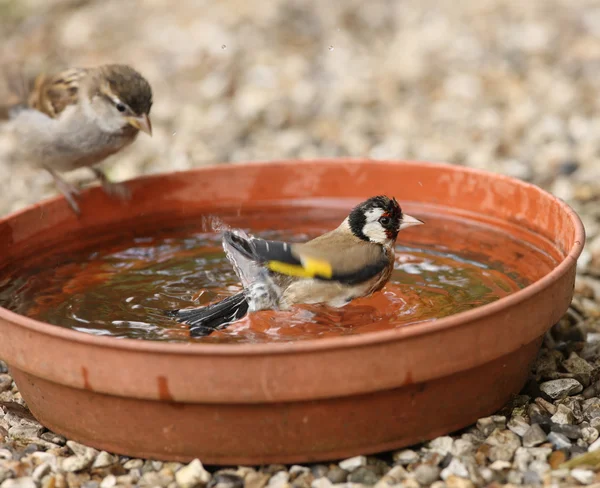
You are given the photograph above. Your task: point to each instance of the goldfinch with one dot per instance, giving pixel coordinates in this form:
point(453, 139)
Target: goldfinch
point(354, 260)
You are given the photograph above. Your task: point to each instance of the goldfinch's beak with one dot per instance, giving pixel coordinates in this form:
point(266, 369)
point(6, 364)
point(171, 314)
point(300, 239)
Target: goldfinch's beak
point(141, 123)
point(408, 221)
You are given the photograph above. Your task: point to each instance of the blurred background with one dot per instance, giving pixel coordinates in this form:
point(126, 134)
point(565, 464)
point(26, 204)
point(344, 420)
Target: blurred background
point(508, 86)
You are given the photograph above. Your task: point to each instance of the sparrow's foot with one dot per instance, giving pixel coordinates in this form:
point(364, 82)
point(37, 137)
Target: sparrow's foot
point(69, 191)
point(118, 190)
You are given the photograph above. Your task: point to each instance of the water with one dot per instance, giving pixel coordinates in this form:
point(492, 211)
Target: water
point(122, 289)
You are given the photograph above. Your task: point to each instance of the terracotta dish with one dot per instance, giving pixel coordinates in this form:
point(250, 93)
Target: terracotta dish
point(301, 401)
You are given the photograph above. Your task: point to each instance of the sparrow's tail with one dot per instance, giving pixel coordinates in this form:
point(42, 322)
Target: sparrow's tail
point(204, 320)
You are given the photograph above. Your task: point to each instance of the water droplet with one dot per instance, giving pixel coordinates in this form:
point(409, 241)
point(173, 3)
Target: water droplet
point(331, 48)
point(174, 132)
point(223, 47)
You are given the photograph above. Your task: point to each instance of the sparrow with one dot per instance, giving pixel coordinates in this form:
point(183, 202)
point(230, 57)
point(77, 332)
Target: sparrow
point(77, 118)
point(354, 260)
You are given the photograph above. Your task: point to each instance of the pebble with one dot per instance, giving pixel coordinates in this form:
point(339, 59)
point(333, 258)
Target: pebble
point(518, 425)
point(559, 441)
point(353, 463)
point(561, 388)
point(279, 480)
point(406, 456)
point(487, 425)
point(534, 436)
point(24, 482)
point(193, 475)
point(426, 474)
point(589, 434)
point(563, 415)
point(364, 475)
point(503, 444)
point(337, 475)
point(583, 476)
point(104, 459)
point(455, 468)
point(442, 445)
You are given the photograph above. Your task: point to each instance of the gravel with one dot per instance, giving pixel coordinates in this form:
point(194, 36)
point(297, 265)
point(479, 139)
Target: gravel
point(510, 87)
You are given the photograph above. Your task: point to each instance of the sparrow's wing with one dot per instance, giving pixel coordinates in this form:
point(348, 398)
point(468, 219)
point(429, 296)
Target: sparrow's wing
point(294, 260)
point(51, 94)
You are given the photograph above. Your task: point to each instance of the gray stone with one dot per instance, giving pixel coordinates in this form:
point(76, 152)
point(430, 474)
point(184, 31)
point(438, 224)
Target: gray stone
point(563, 415)
point(320, 483)
point(353, 463)
point(109, 481)
point(559, 441)
point(561, 388)
point(75, 463)
point(392, 477)
point(518, 425)
point(192, 475)
point(426, 474)
point(534, 436)
point(405, 457)
point(5, 382)
point(337, 475)
point(40, 471)
point(54, 438)
point(25, 432)
point(364, 475)
point(462, 447)
point(319, 470)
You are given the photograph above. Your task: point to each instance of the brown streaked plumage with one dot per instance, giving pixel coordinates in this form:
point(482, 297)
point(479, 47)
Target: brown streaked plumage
point(79, 117)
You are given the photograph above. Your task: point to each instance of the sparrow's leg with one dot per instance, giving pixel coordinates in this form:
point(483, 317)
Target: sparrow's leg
point(66, 188)
point(113, 189)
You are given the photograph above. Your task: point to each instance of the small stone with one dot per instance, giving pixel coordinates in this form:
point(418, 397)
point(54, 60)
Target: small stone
point(487, 425)
point(54, 438)
point(104, 460)
point(518, 425)
point(583, 476)
point(363, 475)
point(353, 463)
point(571, 431)
point(226, 480)
point(538, 415)
point(392, 477)
point(589, 434)
point(337, 475)
point(561, 388)
point(563, 415)
point(109, 481)
point(24, 432)
point(193, 475)
point(279, 480)
point(40, 471)
point(441, 445)
point(426, 474)
point(556, 459)
point(503, 444)
point(559, 441)
point(534, 436)
point(455, 468)
point(5, 382)
point(24, 482)
point(405, 457)
point(319, 470)
point(579, 367)
point(500, 465)
point(546, 405)
point(260, 480)
point(458, 482)
point(81, 450)
point(595, 445)
point(462, 447)
point(133, 464)
point(318, 483)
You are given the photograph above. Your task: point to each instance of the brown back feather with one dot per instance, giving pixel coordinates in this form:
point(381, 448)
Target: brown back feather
point(51, 94)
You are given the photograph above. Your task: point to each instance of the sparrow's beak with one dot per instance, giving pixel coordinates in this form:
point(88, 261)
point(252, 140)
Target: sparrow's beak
point(408, 221)
point(141, 123)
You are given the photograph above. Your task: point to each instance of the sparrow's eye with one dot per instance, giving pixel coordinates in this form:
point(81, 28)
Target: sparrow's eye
point(121, 107)
point(385, 221)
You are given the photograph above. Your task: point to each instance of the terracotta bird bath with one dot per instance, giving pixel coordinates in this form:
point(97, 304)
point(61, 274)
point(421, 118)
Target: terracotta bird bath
point(293, 402)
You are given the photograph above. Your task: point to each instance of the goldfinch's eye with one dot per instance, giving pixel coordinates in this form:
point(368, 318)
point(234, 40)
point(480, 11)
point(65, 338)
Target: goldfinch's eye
point(384, 221)
point(121, 107)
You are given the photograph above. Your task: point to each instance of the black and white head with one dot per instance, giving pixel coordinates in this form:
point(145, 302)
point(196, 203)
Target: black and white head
point(120, 99)
point(379, 219)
